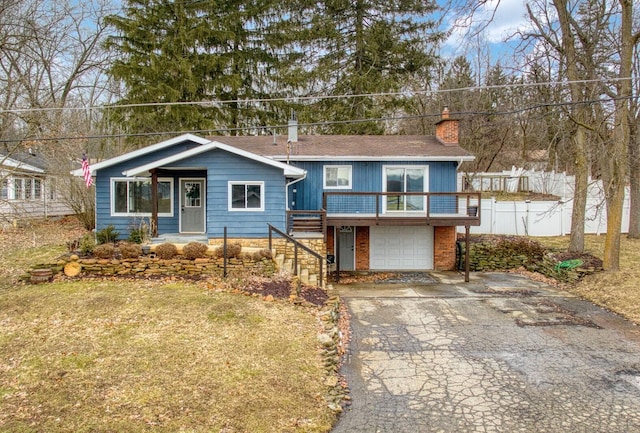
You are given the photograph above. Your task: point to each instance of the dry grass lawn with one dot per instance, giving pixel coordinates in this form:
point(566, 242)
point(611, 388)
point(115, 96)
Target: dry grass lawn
point(137, 356)
point(616, 291)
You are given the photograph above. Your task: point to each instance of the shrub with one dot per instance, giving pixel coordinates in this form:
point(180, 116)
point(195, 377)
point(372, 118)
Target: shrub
point(87, 244)
point(130, 250)
point(166, 251)
point(107, 235)
point(195, 250)
point(261, 254)
point(233, 250)
point(104, 251)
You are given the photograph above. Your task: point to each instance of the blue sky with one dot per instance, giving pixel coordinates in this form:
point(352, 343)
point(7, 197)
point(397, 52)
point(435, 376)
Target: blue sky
point(501, 17)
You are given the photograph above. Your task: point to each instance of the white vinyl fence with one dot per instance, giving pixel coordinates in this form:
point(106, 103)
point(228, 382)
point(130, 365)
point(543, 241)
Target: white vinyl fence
point(546, 218)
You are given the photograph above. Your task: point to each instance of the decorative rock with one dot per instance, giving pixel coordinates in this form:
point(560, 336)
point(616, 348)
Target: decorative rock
point(325, 340)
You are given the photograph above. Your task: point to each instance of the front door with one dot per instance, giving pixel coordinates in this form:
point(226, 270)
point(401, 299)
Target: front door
point(192, 205)
point(346, 241)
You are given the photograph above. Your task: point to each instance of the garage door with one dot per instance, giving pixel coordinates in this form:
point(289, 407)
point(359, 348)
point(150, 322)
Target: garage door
point(401, 248)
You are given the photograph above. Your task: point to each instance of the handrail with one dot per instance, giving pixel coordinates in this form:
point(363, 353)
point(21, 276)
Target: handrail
point(296, 244)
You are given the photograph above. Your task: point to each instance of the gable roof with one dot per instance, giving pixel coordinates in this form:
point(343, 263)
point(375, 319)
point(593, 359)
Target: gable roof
point(22, 163)
point(265, 149)
point(144, 169)
point(142, 151)
point(351, 147)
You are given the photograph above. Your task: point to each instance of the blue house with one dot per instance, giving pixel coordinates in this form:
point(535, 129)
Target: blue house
point(377, 202)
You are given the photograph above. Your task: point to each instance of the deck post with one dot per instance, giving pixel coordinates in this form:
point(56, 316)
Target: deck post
point(154, 203)
point(466, 254)
point(336, 240)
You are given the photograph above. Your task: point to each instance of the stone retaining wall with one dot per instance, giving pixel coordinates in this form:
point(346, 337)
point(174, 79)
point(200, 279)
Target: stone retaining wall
point(146, 266)
point(282, 247)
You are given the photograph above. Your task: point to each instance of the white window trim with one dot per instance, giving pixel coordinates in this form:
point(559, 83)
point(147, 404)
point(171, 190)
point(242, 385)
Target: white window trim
point(11, 188)
point(230, 185)
point(324, 176)
point(425, 184)
point(112, 197)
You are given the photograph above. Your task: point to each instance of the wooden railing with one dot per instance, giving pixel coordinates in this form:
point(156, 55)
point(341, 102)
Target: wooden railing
point(463, 206)
point(305, 221)
point(296, 245)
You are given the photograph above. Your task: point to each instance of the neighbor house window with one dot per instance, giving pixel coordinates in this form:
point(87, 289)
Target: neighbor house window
point(246, 196)
point(23, 189)
point(133, 197)
point(5, 189)
point(337, 176)
point(405, 179)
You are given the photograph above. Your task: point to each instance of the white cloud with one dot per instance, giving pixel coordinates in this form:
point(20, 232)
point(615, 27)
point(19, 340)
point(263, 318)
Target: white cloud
point(496, 19)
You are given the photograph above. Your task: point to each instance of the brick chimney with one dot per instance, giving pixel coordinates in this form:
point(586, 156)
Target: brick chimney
point(447, 129)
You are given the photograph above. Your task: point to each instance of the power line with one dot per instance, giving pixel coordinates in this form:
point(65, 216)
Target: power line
point(213, 131)
point(294, 99)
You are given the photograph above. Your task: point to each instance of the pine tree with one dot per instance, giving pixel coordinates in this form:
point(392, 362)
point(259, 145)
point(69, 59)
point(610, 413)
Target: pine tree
point(364, 47)
point(184, 52)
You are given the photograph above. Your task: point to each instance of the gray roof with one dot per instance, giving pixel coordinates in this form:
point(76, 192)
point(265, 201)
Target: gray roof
point(328, 147)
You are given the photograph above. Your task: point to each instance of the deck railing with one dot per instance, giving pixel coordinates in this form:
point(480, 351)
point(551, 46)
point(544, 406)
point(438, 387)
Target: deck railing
point(431, 205)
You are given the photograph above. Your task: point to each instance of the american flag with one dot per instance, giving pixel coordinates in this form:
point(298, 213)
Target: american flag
point(86, 171)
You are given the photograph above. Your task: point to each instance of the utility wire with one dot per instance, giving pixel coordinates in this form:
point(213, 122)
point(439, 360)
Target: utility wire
point(213, 131)
point(406, 93)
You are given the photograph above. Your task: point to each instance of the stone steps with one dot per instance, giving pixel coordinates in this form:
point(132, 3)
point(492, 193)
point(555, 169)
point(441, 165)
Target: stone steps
point(305, 276)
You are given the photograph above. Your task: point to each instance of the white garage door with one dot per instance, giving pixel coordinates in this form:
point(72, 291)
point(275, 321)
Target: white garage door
point(401, 248)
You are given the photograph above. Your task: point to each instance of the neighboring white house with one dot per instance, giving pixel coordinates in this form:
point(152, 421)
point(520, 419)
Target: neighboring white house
point(26, 189)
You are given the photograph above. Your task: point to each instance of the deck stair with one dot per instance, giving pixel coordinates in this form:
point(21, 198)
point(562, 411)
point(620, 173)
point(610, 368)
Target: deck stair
point(306, 224)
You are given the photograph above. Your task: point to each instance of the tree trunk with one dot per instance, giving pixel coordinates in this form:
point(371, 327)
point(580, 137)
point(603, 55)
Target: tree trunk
point(618, 158)
point(634, 184)
point(576, 238)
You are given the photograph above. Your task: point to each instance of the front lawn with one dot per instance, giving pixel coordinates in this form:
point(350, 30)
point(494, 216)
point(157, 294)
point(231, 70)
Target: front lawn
point(152, 355)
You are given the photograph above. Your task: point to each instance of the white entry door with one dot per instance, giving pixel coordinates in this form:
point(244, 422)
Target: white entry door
point(192, 205)
point(401, 248)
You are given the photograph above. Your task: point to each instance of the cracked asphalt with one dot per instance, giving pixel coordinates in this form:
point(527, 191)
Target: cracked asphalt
point(501, 353)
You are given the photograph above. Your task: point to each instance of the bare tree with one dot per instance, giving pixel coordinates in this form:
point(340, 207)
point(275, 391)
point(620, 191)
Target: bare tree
point(52, 66)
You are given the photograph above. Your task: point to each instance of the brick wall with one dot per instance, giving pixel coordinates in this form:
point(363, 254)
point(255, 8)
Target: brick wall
point(362, 248)
point(330, 241)
point(444, 248)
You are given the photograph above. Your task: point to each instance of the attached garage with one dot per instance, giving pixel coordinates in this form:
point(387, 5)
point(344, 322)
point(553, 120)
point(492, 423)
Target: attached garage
point(401, 248)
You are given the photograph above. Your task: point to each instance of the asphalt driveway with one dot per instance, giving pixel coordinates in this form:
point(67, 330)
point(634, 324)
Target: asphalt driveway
point(499, 354)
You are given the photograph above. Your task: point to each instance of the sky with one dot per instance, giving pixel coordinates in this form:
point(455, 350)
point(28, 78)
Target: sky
point(503, 18)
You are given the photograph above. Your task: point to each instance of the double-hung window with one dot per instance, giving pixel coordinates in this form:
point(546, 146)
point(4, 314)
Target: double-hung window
point(23, 189)
point(133, 197)
point(404, 180)
point(246, 196)
point(337, 177)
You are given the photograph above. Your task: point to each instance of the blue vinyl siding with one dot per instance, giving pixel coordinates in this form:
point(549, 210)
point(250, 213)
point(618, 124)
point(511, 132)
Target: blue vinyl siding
point(224, 167)
point(103, 191)
point(221, 167)
point(366, 177)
